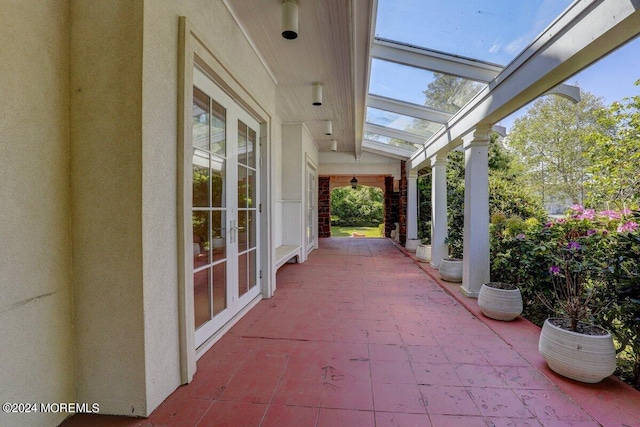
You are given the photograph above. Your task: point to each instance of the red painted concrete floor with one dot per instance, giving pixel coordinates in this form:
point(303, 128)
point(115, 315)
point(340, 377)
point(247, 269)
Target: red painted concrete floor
point(362, 335)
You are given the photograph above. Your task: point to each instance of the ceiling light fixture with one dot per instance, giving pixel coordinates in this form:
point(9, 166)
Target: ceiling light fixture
point(334, 145)
point(354, 183)
point(290, 19)
point(316, 93)
point(328, 127)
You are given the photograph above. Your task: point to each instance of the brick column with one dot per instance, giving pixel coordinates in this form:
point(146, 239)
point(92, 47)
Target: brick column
point(403, 202)
point(388, 206)
point(324, 207)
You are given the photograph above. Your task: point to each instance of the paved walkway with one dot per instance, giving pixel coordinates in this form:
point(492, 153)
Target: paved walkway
point(362, 335)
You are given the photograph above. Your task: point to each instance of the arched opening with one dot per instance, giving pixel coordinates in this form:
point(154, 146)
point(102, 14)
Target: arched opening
point(357, 212)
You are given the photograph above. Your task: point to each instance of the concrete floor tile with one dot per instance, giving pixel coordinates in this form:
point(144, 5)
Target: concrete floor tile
point(446, 400)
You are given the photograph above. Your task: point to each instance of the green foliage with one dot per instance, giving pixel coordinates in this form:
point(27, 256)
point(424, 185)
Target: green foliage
point(614, 153)
point(362, 206)
point(550, 142)
point(595, 257)
point(507, 195)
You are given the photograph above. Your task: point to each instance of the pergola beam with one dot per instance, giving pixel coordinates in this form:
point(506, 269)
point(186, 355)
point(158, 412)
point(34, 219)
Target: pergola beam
point(385, 150)
point(432, 60)
point(586, 32)
point(408, 109)
point(394, 133)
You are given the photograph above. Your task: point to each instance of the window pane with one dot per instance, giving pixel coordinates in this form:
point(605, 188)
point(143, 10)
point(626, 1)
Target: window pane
point(242, 187)
point(243, 230)
point(218, 199)
point(200, 114)
point(200, 179)
point(242, 143)
point(251, 189)
point(401, 122)
point(243, 284)
point(202, 296)
point(252, 146)
point(201, 246)
point(219, 288)
point(218, 129)
point(252, 269)
point(251, 224)
point(219, 235)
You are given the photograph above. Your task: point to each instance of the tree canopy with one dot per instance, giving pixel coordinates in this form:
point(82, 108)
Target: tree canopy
point(614, 155)
point(550, 142)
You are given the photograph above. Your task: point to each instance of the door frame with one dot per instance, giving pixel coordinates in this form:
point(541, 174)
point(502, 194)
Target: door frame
point(194, 50)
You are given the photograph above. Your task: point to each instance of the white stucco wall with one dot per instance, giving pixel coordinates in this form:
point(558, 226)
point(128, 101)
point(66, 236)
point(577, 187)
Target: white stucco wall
point(106, 135)
point(159, 154)
point(341, 163)
point(36, 348)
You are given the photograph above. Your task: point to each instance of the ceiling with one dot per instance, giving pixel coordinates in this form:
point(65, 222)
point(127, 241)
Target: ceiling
point(325, 52)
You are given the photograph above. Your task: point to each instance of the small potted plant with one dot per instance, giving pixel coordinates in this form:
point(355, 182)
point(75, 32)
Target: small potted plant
point(451, 268)
point(571, 345)
point(411, 245)
point(423, 252)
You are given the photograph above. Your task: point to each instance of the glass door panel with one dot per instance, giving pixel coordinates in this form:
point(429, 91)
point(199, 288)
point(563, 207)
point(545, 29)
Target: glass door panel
point(225, 189)
point(209, 208)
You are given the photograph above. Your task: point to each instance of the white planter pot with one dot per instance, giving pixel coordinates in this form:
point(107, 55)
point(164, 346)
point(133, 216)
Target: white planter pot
point(586, 358)
point(500, 304)
point(423, 253)
point(412, 244)
point(218, 242)
point(451, 270)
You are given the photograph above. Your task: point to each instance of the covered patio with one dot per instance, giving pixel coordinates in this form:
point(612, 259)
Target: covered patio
point(163, 163)
point(363, 335)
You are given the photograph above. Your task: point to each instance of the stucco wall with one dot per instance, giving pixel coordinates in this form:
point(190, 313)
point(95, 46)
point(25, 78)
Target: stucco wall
point(36, 347)
point(159, 157)
point(106, 135)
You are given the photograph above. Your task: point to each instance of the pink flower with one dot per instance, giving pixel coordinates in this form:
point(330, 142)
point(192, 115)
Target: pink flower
point(591, 232)
point(588, 214)
point(520, 236)
point(577, 208)
point(610, 214)
point(628, 227)
point(554, 269)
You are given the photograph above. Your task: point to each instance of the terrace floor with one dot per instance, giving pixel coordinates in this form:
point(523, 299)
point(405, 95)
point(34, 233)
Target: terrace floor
point(363, 335)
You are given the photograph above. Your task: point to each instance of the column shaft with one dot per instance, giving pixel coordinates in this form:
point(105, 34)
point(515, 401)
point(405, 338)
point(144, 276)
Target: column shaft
point(439, 223)
point(475, 269)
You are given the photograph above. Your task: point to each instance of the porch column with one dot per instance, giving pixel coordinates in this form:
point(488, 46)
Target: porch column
point(475, 267)
point(412, 204)
point(438, 209)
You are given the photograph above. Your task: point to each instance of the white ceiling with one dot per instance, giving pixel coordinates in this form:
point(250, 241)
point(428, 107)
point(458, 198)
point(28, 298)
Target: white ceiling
point(325, 52)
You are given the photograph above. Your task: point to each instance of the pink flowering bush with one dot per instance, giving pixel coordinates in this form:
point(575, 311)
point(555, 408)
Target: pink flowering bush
point(584, 266)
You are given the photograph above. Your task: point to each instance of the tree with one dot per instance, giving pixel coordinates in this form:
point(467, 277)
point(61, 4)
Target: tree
point(449, 93)
point(550, 142)
point(614, 153)
point(362, 206)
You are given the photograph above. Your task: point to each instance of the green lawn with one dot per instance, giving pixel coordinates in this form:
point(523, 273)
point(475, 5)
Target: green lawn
point(346, 231)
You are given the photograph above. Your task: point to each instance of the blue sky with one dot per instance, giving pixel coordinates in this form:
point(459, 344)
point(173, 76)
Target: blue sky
point(611, 78)
point(493, 31)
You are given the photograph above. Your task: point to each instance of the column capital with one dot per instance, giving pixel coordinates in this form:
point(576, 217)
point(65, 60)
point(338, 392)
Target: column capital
point(439, 159)
point(478, 137)
point(412, 174)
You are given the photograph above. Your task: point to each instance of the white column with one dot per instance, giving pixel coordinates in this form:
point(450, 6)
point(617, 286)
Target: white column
point(475, 267)
point(438, 209)
point(412, 204)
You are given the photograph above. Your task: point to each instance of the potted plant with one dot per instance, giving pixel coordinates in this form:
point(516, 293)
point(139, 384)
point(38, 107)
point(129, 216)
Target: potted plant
point(572, 346)
point(412, 244)
point(500, 301)
point(423, 252)
point(451, 268)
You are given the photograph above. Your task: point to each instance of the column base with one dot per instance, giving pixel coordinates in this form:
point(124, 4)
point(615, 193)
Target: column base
point(469, 294)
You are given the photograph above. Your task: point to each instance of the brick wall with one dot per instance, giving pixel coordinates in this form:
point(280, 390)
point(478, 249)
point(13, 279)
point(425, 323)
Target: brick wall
point(324, 207)
point(402, 214)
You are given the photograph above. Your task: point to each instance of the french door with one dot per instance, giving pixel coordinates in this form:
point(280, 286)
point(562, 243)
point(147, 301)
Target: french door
point(225, 207)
